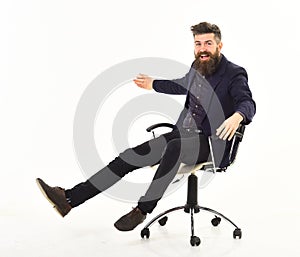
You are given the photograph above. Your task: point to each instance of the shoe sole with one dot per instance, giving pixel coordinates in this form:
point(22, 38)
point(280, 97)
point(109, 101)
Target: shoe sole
point(46, 196)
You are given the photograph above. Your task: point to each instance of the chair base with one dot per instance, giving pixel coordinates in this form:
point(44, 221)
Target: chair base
point(194, 240)
point(191, 207)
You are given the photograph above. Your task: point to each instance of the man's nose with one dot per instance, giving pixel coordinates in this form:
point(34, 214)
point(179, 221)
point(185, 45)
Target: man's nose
point(202, 48)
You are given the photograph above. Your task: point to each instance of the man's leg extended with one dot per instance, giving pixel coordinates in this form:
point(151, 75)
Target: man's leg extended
point(142, 155)
point(146, 154)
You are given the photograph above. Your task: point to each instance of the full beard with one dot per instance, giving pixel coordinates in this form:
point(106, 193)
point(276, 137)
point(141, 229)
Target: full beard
point(207, 68)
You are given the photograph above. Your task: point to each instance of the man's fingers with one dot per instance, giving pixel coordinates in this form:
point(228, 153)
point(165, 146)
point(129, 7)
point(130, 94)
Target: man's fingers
point(228, 127)
point(228, 132)
point(139, 80)
point(141, 76)
point(231, 135)
point(138, 83)
point(143, 82)
point(223, 134)
point(225, 131)
point(220, 129)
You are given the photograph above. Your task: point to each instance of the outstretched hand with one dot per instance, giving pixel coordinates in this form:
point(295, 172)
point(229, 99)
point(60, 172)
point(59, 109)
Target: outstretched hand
point(144, 81)
point(229, 126)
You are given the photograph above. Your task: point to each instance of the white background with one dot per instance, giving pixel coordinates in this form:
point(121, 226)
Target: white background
point(51, 50)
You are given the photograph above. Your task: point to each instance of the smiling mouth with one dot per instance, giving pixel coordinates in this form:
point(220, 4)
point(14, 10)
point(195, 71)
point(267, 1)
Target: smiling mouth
point(204, 57)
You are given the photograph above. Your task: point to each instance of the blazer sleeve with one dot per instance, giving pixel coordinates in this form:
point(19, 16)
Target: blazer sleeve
point(174, 86)
point(242, 95)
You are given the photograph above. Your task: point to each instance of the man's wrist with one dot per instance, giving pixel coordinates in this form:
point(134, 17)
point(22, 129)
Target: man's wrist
point(240, 116)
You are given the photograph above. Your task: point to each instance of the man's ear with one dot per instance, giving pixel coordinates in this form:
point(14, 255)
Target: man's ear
point(220, 45)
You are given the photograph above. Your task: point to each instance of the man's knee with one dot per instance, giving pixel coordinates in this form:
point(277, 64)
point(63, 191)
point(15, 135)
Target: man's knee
point(173, 147)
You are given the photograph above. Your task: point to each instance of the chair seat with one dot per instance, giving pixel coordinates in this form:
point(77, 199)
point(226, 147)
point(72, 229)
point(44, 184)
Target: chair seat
point(186, 169)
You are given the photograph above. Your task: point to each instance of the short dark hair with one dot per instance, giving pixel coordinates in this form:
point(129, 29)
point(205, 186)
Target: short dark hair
point(205, 27)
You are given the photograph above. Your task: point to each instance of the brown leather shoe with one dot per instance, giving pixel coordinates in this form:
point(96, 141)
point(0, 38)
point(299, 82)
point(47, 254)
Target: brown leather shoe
point(56, 196)
point(130, 220)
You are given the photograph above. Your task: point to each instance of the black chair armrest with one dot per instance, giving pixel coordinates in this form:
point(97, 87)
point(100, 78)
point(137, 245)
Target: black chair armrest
point(158, 125)
point(240, 132)
point(238, 137)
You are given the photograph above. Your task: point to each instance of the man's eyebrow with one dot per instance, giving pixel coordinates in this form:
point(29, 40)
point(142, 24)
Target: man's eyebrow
point(206, 41)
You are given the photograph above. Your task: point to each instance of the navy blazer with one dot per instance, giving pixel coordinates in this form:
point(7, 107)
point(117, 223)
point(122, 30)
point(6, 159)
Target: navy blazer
point(225, 92)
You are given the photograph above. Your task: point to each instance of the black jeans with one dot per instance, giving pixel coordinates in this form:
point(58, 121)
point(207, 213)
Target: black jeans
point(169, 150)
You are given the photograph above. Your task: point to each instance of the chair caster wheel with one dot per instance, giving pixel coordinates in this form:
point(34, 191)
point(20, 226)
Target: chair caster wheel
point(237, 233)
point(163, 221)
point(195, 241)
point(145, 233)
point(215, 221)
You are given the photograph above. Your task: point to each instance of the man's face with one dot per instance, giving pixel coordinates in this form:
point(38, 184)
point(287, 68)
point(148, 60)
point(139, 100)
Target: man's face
point(206, 45)
point(207, 53)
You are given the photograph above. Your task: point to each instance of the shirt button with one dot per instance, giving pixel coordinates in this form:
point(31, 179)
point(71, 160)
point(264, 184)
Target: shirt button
point(198, 97)
point(196, 106)
point(194, 114)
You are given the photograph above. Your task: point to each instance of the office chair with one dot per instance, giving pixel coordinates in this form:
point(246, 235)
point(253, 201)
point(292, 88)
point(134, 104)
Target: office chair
point(191, 205)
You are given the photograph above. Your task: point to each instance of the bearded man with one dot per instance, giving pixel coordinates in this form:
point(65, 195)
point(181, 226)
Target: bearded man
point(218, 100)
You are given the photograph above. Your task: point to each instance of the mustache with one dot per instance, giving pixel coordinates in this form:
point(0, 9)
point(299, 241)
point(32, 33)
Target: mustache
point(201, 53)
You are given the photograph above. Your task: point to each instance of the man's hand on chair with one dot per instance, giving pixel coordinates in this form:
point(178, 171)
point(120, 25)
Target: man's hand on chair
point(229, 126)
point(144, 81)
